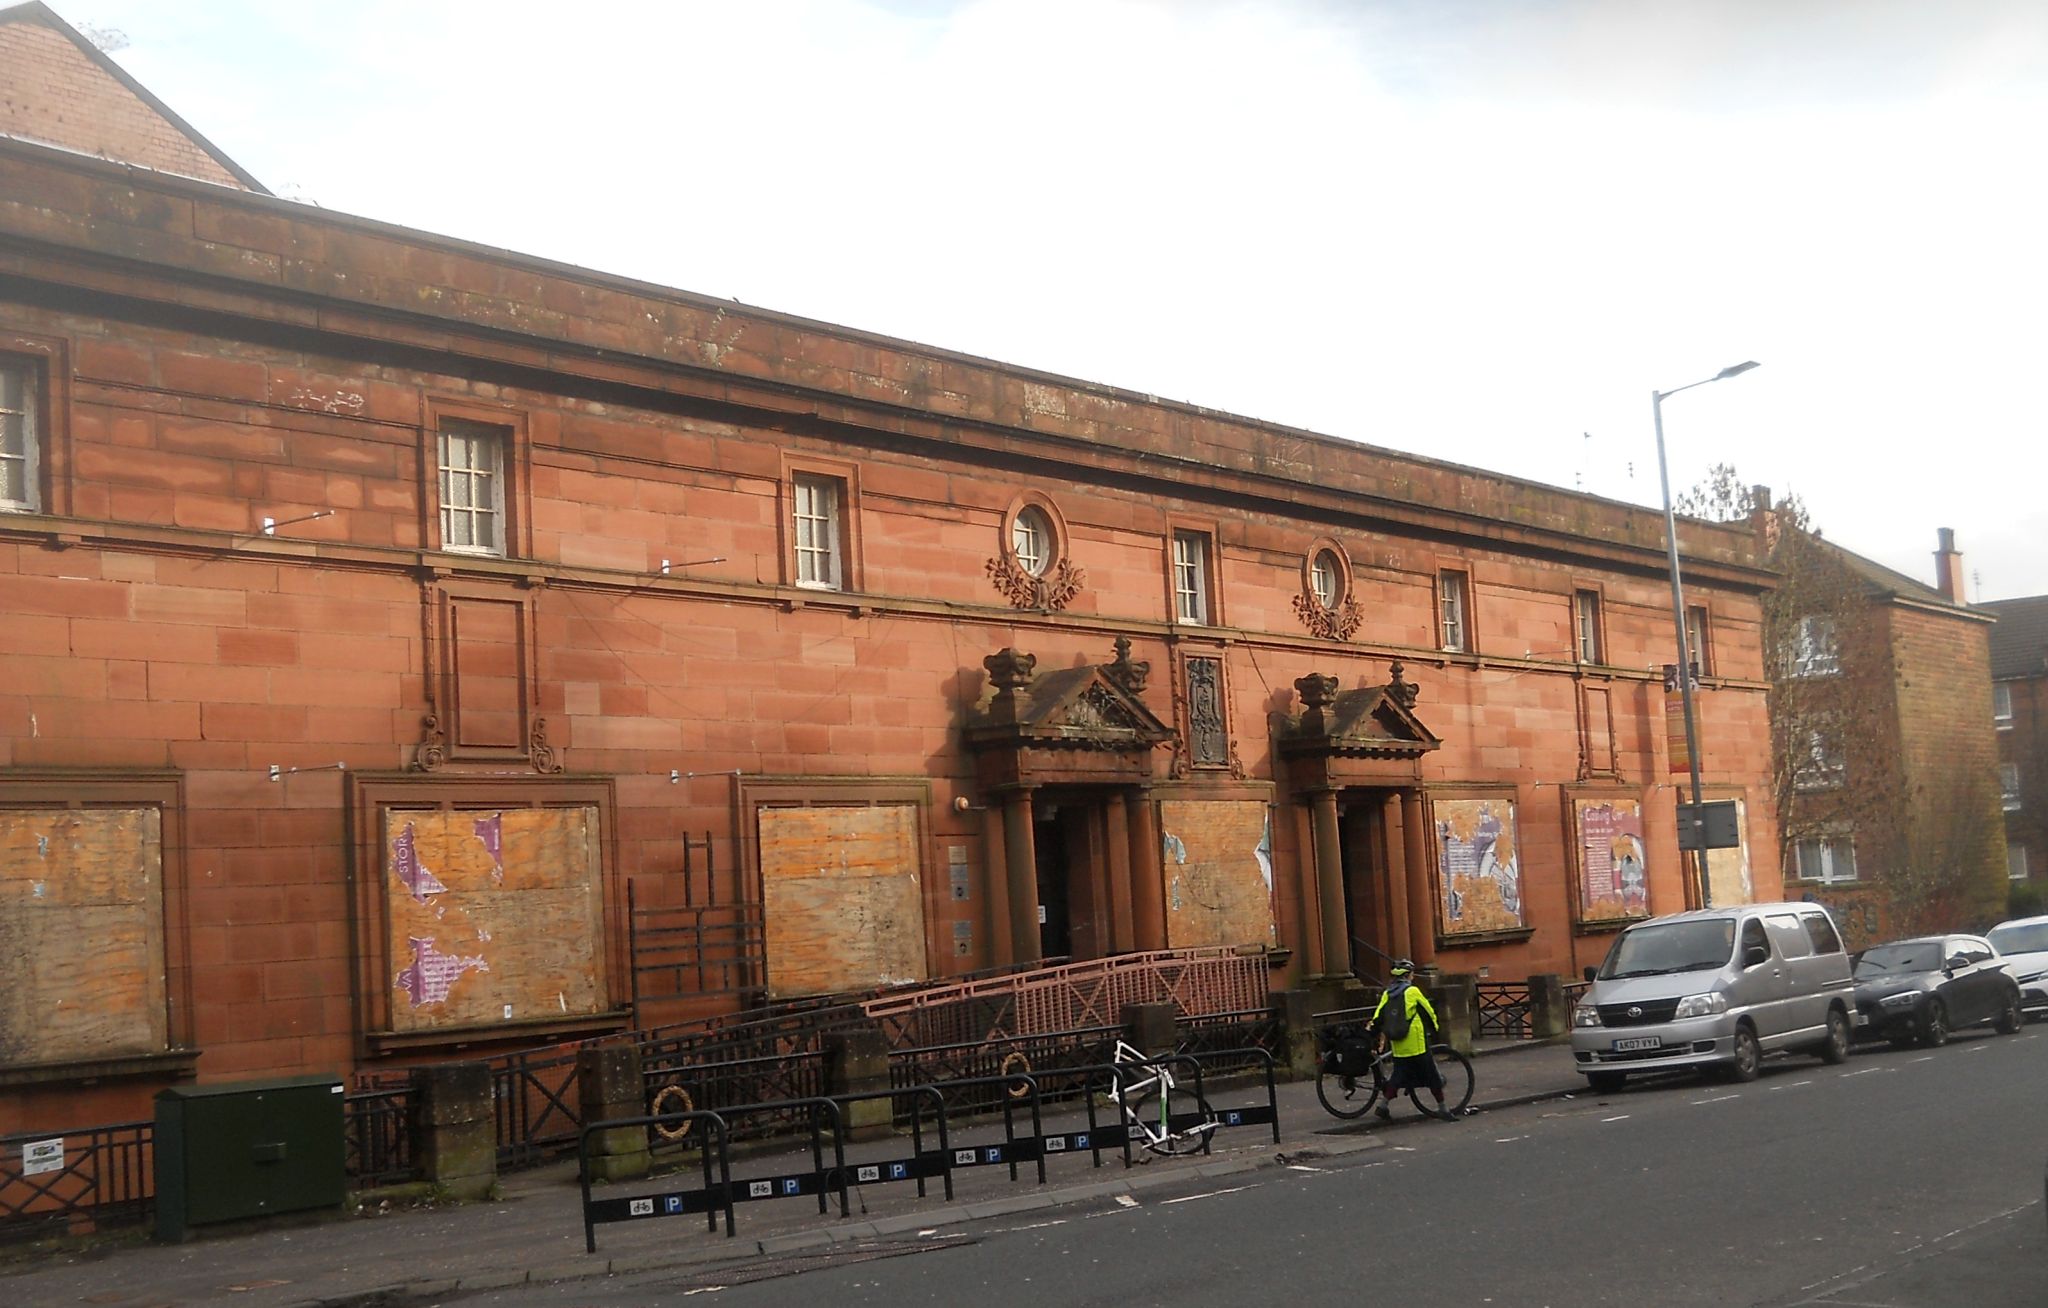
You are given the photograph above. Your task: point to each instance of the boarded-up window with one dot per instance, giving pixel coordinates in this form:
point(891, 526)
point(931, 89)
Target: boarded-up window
point(81, 929)
point(1728, 876)
point(495, 915)
point(1218, 862)
point(841, 897)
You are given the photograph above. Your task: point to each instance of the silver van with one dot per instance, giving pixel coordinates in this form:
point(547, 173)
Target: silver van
point(1715, 988)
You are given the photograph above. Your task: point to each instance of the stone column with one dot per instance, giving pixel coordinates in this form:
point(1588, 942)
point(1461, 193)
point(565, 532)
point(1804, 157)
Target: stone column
point(1309, 923)
point(1395, 877)
point(1020, 859)
point(609, 1085)
point(1116, 844)
point(1152, 1028)
point(456, 1138)
point(1148, 880)
point(857, 1062)
point(1549, 1016)
point(1294, 1010)
point(1421, 907)
point(1329, 855)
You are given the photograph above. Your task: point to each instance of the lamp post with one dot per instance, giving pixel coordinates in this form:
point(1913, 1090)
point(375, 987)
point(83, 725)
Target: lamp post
point(1692, 744)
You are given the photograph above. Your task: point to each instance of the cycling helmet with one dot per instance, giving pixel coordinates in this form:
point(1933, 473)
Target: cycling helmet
point(1402, 967)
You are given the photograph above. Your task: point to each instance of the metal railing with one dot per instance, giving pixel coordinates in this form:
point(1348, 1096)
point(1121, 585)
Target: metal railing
point(379, 1136)
point(681, 1085)
point(1501, 1010)
point(538, 1115)
point(62, 1182)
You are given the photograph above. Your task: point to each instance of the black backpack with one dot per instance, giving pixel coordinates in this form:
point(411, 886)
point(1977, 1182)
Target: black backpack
point(1394, 1018)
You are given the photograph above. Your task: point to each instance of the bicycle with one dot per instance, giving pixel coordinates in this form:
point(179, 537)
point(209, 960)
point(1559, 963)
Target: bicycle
point(1349, 1057)
point(1158, 1128)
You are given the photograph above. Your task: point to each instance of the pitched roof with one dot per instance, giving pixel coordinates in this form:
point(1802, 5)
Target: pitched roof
point(2019, 643)
point(1888, 584)
point(63, 90)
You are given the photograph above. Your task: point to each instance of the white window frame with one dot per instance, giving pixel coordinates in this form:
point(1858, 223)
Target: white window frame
point(2015, 861)
point(2009, 786)
point(1454, 626)
point(1827, 856)
point(1816, 651)
point(1696, 640)
point(1191, 577)
point(1821, 765)
point(19, 444)
point(1031, 540)
point(818, 526)
point(463, 480)
point(2001, 705)
point(1586, 636)
point(1326, 578)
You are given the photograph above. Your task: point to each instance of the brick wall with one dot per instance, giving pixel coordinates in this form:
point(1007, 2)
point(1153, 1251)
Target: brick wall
point(56, 92)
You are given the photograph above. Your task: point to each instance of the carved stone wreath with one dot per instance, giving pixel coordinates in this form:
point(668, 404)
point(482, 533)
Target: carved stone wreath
point(1322, 620)
point(1024, 591)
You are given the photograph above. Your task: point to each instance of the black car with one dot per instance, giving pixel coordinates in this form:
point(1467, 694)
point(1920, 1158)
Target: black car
point(1922, 989)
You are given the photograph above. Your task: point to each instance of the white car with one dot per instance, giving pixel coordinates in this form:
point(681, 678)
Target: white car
point(2023, 944)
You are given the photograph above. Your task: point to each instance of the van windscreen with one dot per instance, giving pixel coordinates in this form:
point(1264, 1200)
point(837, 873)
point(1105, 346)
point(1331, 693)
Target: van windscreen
point(1656, 949)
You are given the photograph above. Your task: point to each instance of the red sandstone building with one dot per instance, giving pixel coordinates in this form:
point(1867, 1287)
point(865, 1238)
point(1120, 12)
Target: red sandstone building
point(386, 621)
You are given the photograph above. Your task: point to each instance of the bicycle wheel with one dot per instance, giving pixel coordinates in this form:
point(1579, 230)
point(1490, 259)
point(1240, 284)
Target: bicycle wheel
point(1457, 1071)
point(1344, 1096)
point(1190, 1139)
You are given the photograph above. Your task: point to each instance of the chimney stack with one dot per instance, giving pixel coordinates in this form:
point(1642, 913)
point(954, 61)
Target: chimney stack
point(1948, 566)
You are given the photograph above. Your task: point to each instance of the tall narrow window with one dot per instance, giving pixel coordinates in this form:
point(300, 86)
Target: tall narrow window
point(2001, 705)
point(1191, 576)
point(17, 438)
point(2015, 860)
point(1586, 619)
point(1452, 606)
point(472, 458)
point(2009, 786)
point(1814, 652)
point(1696, 641)
point(819, 557)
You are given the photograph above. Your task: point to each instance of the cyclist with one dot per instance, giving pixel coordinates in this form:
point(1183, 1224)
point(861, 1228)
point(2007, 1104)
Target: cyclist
point(1405, 1019)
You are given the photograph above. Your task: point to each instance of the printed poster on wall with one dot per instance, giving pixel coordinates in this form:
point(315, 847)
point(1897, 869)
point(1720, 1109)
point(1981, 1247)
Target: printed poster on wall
point(1614, 880)
point(1479, 866)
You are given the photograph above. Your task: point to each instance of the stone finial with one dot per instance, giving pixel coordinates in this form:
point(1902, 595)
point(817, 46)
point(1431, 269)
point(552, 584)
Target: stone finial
point(1318, 690)
point(1400, 691)
point(1010, 670)
point(1127, 672)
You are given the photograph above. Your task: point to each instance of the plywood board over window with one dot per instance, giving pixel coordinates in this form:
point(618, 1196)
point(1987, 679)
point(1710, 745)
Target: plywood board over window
point(495, 915)
point(1479, 866)
point(842, 898)
point(82, 930)
point(1728, 876)
point(1217, 858)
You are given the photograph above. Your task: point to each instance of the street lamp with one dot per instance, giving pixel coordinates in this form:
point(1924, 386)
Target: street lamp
point(1692, 744)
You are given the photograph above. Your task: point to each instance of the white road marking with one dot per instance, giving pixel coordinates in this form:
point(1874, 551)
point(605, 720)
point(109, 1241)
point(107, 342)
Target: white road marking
point(1620, 1118)
point(1298, 1167)
point(1924, 1058)
point(1190, 1198)
point(1858, 1072)
point(1127, 1201)
point(1796, 1084)
point(1403, 1149)
point(1717, 1099)
point(703, 1289)
point(1039, 1226)
point(1510, 1139)
point(929, 1230)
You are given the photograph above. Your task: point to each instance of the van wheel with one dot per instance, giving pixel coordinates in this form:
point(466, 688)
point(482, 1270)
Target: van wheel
point(1835, 1049)
point(1606, 1083)
point(2009, 1019)
point(1749, 1056)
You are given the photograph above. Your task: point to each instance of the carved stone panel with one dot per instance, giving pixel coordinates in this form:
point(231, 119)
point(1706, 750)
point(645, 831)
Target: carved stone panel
point(1208, 721)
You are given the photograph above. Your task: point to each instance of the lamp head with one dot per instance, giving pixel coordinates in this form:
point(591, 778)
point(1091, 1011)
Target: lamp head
point(1736, 370)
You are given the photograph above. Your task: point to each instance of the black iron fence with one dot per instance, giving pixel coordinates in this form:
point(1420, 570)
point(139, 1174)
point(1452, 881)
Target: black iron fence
point(682, 1085)
point(379, 1136)
point(538, 1114)
point(63, 1182)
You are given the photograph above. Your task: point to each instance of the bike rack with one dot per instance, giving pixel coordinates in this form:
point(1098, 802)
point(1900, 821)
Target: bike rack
point(720, 1191)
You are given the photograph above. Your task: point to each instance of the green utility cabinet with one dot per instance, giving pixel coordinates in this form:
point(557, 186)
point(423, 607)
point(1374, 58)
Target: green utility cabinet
point(248, 1149)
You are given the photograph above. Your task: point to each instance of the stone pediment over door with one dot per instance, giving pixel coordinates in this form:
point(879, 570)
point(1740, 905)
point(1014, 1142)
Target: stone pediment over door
point(1367, 736)
point(1087, 724)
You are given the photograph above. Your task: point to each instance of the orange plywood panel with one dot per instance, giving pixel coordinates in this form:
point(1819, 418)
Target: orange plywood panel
point(842, 897)
point(1218, 864)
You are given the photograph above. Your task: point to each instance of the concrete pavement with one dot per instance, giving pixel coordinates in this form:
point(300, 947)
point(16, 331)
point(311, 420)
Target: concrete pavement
point(535, 1234)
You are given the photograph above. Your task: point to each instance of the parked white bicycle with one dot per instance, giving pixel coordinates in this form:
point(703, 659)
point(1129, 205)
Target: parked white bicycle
point(1147, 1103)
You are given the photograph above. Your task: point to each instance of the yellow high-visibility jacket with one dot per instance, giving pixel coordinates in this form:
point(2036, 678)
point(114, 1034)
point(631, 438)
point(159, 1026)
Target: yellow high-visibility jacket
point(1416, 1041)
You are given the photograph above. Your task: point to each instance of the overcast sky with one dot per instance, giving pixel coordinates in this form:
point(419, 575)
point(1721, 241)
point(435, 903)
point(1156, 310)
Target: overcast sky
point(1478, 231)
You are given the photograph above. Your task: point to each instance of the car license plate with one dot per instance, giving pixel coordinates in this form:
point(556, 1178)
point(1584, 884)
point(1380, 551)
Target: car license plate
point(1637, 1042)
